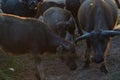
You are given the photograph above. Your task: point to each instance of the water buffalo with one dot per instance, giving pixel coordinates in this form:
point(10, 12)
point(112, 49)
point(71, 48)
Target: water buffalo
point(42, 7)
point(73, 7)
point(97, 18)
point(20, 7)
point(20, 35)
point(60, 21)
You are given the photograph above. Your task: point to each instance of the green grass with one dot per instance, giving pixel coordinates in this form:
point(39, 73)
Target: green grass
point(5, 75)
point(19, 63)
point(5, 63)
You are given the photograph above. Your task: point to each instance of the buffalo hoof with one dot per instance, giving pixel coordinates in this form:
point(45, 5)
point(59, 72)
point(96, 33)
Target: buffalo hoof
point(104, 69)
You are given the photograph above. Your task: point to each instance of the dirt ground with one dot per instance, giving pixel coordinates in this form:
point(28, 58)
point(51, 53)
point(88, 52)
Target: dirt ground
point(56, 70)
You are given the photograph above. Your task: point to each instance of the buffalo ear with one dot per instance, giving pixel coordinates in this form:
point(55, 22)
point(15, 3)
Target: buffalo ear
point(69, 37)
point(71, 20)
point(69, 23)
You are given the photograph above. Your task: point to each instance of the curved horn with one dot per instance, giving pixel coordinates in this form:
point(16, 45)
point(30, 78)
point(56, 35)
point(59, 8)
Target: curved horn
point(110, 33)
point(84, 36)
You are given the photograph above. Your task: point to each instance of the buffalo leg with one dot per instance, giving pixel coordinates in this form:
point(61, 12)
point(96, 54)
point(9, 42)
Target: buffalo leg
point(38, 67)
point(103, 67)
point(78, 26)
point(87, 54)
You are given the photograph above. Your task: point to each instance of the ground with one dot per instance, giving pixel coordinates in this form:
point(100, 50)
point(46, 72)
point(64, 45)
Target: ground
point(55, 70)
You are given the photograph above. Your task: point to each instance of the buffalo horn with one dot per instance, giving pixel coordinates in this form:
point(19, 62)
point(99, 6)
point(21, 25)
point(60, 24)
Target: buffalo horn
point(84, 36)
point(110, 33)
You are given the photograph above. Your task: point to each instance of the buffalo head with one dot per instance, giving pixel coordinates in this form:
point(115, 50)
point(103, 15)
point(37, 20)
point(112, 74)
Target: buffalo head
point(68, 55)
point(66, 29)
point(99, 42)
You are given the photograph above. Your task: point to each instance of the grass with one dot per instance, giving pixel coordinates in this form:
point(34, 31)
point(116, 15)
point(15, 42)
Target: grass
point(5, 63)
point(5, 75)
point(19, 63)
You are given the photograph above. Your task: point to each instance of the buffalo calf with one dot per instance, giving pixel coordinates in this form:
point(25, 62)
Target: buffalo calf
point(19, 35)
point(60, 21)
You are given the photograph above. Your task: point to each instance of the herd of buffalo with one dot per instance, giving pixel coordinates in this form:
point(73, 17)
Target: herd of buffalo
point(21, 30)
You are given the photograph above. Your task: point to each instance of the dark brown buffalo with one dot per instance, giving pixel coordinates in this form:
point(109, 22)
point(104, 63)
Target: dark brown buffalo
point(73, 7)
point(60, 21)
point(97, 18)
point(20, 35)
point(42, 7)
